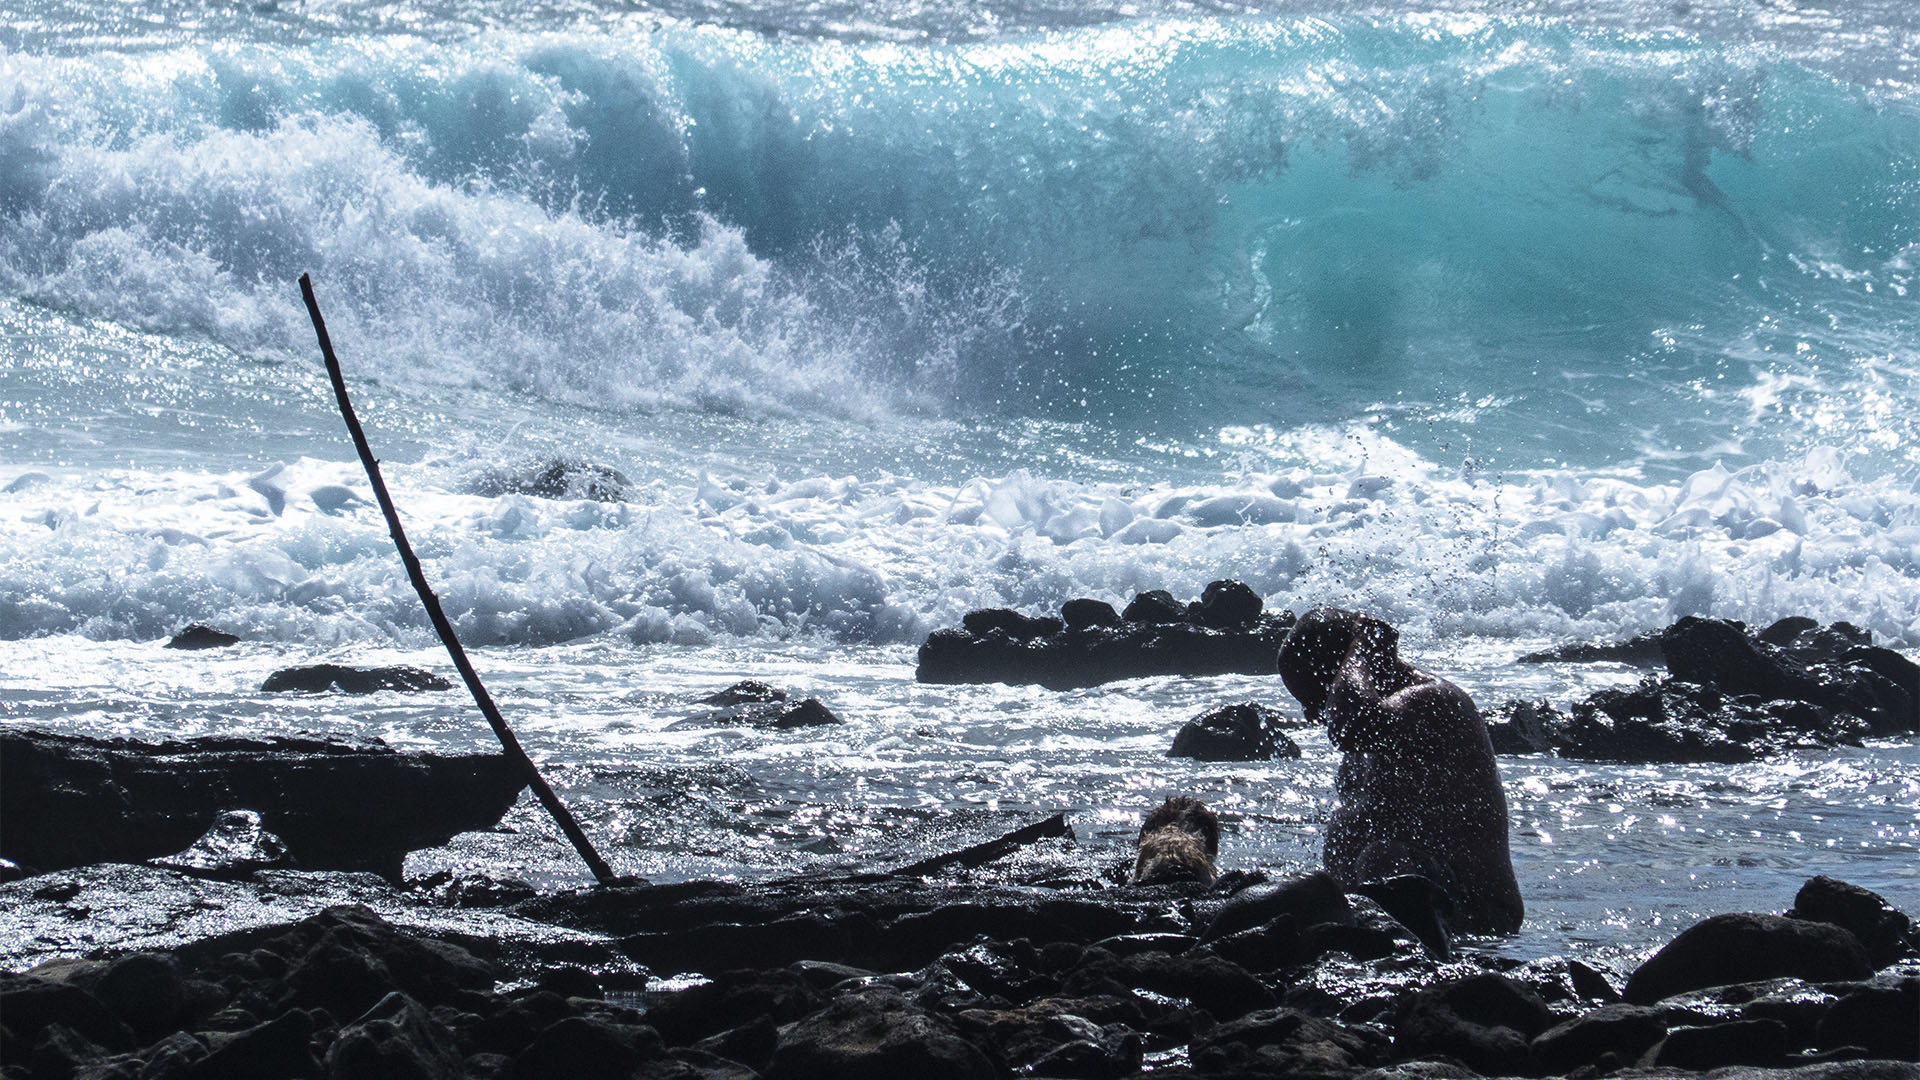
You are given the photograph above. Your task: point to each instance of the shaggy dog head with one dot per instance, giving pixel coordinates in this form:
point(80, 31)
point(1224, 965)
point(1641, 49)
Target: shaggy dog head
point(1178, 842)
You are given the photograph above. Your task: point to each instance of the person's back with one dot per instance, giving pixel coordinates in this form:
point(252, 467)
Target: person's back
point(1419, 791)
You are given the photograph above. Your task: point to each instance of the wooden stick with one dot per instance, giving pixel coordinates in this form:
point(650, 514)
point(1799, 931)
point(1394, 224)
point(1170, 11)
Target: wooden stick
point(983, 853)
point(561, 815)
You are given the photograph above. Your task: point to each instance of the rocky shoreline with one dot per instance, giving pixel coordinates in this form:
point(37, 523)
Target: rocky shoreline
point(872, 976)
point(256, 954)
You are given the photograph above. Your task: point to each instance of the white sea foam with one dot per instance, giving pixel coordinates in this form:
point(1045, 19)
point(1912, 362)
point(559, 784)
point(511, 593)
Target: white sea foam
point(297, 552)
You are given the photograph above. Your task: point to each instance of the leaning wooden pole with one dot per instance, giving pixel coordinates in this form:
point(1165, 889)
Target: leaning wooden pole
point(561, 815)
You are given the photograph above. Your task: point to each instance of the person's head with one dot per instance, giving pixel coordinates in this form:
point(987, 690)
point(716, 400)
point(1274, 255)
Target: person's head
point(1312, 654)
point(1319, 645)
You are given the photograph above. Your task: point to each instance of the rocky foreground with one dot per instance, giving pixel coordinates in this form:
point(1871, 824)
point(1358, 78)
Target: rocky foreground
point(904, 976)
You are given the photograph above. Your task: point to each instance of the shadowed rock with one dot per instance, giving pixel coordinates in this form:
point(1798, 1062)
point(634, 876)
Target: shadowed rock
point(1732, 696)
point(1243, 732)
point(68, 800)
point(319, 678)
point(200, 636)
point(1224, 633)
point(1746, 947)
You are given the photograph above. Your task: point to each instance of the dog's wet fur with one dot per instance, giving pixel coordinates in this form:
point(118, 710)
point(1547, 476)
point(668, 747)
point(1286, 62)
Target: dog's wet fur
point(1178, 842)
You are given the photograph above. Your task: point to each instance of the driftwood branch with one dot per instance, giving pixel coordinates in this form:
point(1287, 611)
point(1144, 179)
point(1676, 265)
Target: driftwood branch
point(982, 854)
point(561, 815)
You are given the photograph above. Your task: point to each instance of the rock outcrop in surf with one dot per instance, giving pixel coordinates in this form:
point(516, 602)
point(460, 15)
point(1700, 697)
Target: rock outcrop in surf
point(1226, 631)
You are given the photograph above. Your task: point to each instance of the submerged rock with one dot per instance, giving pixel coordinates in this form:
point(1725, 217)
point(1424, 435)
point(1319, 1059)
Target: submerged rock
point(68, 800)
point(555, 478)
point(1223, 633)
point(750, 703)
point(319, 678)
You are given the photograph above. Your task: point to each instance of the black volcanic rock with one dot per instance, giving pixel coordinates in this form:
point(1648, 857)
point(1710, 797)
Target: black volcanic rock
point(744, 691)
point(201, 636)
point(1730, 696)
point(1245, 732)
point(1155, 636)
point(1667, 720)
point(68, 800)
point(1886, 933)
point(1084, 612)
point(1154, 606)
point(1227, 605)
point(1487, 1021)
point(1746, 947)
point(319, 678)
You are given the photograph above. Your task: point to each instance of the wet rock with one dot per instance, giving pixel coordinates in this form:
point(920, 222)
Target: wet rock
point(281, 1047)
point(744, 692)
point(346, 959)
point(1244, 732)
point(584, 1048)
point(319, 678)
point(1887, 934)
point(1227, 605)
point(171, 1057)
point(30, 1005)
point(1835, 667)
point(1010, 623)
point(751, 1044)
point(1003, 969)
point(1525, 727)
point(1733, 696)
point(1641, 650)
point(758, 705)
point(1738, 1042)
point(1884, 1020)
point(395, 1040)
point(555, 478)
point(473, 889)
point(60, 1051)
point(1224, 989)
point(1306, 899)
point(1283, 1042)
point(1670, 721)
point(1486, 1021)
point(201, 636)
point(1155, 636)
point(733, 998)
point(1048, 1039)
point(1084, 613)
point(146, 991)
point(875, 1035)
point(235, 846)
point(877, 922)
point(1623, 1031)
point(1746, 947)
point(68, 800)
point(1154, 606)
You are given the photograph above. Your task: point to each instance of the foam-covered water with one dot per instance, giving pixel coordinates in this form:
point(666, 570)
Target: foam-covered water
point(1512, 330)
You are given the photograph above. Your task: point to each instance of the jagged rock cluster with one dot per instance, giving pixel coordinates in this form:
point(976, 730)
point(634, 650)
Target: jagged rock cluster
point(1224, 632)
point(1730, 695)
